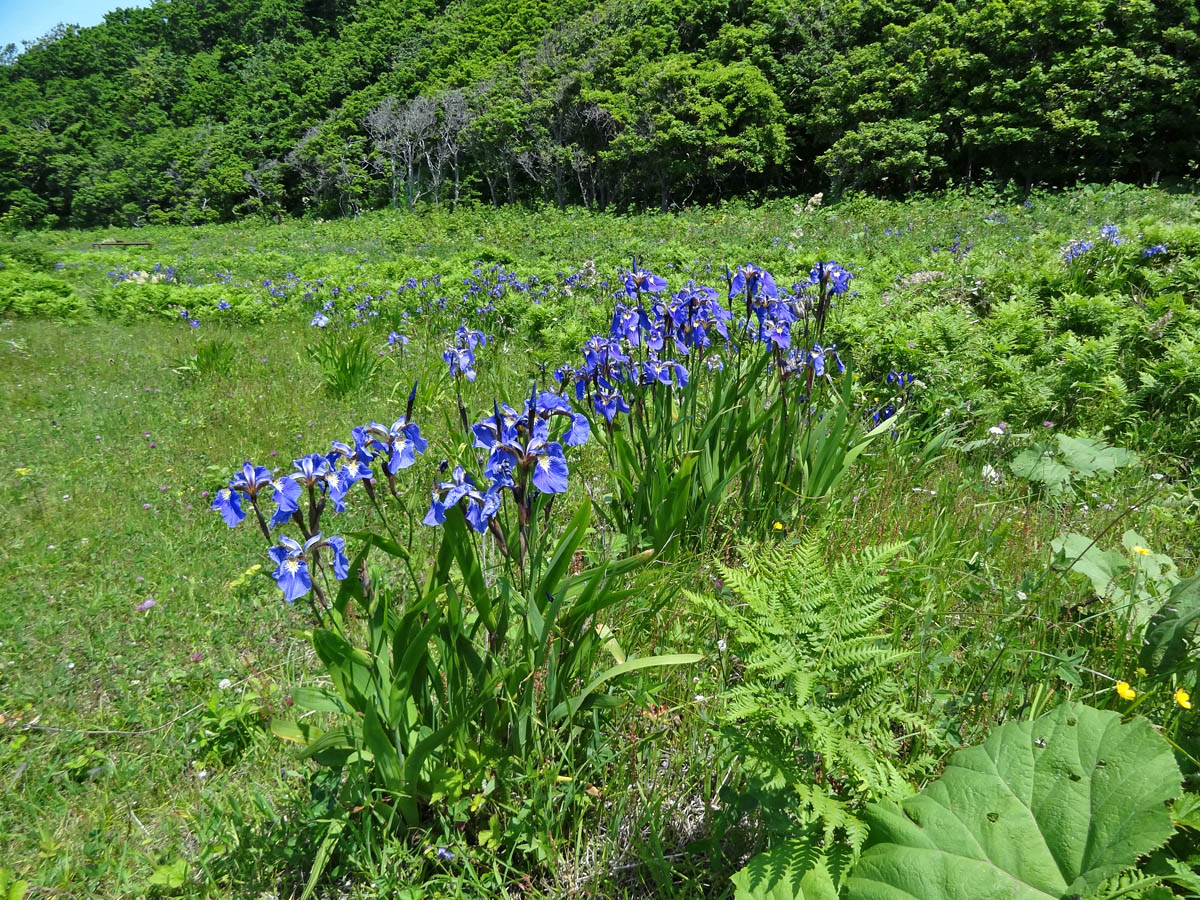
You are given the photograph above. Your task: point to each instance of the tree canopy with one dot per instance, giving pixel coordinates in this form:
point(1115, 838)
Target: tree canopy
point(208, 110)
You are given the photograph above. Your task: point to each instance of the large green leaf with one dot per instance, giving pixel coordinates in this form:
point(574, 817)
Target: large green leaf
point(1104, 568)
point(1043, 809)
point(1172, 629)
point(1088, 457)
point(1034, 465)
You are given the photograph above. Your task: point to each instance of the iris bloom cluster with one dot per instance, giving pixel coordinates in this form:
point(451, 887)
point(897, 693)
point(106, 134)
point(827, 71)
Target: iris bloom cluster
point(461, 357)
point(326, 479)
point(648, 324)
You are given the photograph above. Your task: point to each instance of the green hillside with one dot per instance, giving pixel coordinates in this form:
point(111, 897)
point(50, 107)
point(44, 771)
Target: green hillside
point(210, 110)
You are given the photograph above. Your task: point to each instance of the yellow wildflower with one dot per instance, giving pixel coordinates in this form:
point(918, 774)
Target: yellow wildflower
point(1125, 691)
point(1183, 698)
point(1140, 550)
point(778, 526)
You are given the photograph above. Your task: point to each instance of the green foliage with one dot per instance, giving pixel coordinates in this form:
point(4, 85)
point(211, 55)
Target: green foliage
point(1135, 581)
point(799, 868)
point(1170, 640)
point(814, 711)
point(1057, 467)
point(463, 691)
point(1054, 807)
point(168, 114)
point(348, 360)
point(1063, 805)
point(638, 793)
point(213, 358)
point(12, 888)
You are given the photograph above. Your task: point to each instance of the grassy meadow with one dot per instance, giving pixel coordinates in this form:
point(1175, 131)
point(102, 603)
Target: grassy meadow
point(1037, 481)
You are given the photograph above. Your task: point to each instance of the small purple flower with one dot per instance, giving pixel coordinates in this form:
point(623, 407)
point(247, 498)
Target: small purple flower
point(146, 604)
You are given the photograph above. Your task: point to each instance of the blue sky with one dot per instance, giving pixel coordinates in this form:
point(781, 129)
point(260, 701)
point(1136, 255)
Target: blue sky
point(28, 20)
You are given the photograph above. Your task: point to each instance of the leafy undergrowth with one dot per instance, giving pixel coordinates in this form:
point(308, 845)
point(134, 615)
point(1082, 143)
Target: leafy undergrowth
point(1000, 487)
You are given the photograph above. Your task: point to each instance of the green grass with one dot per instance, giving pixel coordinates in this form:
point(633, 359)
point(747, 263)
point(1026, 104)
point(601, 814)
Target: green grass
point(121, 753)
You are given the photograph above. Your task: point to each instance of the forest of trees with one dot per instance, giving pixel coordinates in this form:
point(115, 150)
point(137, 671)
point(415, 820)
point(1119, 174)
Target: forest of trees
point(208, 110)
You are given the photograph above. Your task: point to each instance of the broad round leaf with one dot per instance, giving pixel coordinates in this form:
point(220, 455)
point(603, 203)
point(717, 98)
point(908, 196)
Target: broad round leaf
point(1042, 809)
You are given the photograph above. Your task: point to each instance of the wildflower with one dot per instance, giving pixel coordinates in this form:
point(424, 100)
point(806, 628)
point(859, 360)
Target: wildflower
point(461, 361)
point(1076, 249)
point(832, 274)
point(146, 604)
point(291, 569)
point(1140, 550)
point(1183, 698)
point(539, 453)
point(286, 494)
point(403, 440)
point(609, 402)
point(639, 281)
point(480, 508)
point(753, 281)
point(223, 304)
point(1124, 691)
point(320, 320)
point(224, 684)
point(778, 526)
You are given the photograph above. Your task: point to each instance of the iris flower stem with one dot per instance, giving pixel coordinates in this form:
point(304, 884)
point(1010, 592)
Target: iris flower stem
point(392, 533)
point(262, 523)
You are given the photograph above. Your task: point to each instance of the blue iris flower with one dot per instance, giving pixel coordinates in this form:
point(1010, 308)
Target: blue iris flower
point(469, 339)
point(550, 405)
point(291, 568)
point(341, 563)
point(311, 469)
point(626, 324)
point(639, 281)
point(777, 333)
point(286, 495)
point(461, 361)
point(403, 440)
point(609, 402)
point(229, 504)
point(837, 278)
point(501, 426)
point(479, 508)
point(539, 453)
point(251, 480)
point(664, 372)
point(753, 281)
